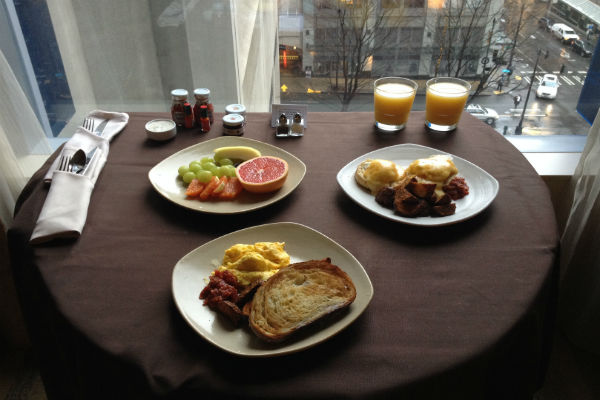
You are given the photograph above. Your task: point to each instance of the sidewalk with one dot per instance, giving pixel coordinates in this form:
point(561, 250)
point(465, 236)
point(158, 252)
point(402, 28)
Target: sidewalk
point(322, 85)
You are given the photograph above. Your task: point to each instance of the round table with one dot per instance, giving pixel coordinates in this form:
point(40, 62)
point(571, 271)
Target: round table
point(459, 311)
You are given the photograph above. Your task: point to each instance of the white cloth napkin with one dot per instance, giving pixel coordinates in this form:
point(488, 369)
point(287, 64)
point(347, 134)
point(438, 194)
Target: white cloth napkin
point(86, 140)
point(64, 212)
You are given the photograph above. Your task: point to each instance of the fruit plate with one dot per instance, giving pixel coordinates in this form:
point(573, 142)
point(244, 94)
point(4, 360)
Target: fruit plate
point(302, 243)
point(164, 177)
point(483, 187)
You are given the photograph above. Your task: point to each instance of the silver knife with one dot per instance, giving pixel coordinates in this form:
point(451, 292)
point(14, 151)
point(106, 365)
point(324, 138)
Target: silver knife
point(101, 127)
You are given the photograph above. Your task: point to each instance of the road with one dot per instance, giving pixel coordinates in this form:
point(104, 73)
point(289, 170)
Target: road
point(542, 116)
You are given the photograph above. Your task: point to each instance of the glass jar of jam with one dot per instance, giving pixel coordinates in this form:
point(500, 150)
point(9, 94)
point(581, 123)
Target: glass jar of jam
point(233, 125)
point(178, 99)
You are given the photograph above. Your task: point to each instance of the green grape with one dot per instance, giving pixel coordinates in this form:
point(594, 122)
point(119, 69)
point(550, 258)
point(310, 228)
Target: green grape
point(221, 171)
point(206, 160)
point(194, 163)
point(204, 176)
point(195, 167)
point(189, 176)
point(230, 170)
point(212, 167)
point(225, 161)
point(183, 169)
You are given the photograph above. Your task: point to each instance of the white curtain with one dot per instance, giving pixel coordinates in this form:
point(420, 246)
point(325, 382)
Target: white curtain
point(255, 25)
point(20, 131)
point(579, 298)
point(128, 56)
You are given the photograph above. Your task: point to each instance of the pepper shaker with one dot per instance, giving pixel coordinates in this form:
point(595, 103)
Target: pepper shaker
point(283, 126)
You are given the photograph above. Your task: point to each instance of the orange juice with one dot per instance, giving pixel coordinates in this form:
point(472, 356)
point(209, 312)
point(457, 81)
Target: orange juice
point(445, 101)
point(393, 101)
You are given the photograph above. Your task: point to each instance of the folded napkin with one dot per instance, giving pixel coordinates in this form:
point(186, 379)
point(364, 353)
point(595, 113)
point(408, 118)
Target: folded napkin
point(115, 122)
point(87, 141)
point(64, 212)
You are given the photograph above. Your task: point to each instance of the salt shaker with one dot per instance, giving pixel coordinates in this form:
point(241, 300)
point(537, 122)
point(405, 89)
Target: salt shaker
point(297, 128)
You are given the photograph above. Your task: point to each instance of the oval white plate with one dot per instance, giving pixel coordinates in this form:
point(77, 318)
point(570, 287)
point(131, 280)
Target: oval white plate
point(163, 176)
point(302, 243)
point(483, 187)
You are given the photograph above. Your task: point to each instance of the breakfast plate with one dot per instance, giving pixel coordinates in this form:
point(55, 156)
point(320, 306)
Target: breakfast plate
point(483, 187)
point(164, 177)
point(190, 276)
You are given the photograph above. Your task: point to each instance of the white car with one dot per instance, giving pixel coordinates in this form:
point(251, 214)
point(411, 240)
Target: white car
point(564, 33)
point(548, 87)
point(485, 114)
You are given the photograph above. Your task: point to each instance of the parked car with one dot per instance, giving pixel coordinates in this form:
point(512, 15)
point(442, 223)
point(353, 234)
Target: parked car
point(581, 48)
point(545, 23)
point(564, 33)
point(548, 87)
point(485, 114)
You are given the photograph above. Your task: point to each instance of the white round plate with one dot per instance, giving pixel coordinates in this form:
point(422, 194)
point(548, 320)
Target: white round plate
point(164, 177)
point(483, 187)
point(302, 243)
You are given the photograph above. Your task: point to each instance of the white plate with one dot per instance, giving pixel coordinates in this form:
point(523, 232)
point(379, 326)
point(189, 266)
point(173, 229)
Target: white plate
point(302, 243)
point(483, 187)
point(164, 176)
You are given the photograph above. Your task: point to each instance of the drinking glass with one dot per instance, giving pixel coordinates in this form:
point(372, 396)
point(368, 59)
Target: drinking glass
point(394, 98)
point(445, 100)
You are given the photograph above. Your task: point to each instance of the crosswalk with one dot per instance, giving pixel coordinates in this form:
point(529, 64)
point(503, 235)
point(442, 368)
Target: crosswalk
point(570, 78)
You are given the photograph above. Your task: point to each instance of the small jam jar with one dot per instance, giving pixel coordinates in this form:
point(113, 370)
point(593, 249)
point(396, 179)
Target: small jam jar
point(233, 125)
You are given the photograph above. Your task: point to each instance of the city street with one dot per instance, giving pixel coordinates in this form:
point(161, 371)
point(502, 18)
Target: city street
point(542, 116)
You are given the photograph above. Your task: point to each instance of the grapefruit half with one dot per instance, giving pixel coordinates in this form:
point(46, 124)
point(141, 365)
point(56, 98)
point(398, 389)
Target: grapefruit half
point(262, 174)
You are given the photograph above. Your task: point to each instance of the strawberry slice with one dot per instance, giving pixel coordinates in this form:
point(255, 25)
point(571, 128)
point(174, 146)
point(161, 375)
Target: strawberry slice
point(194, 188)
point(220, 187)
point(208, 189)
point(232, 189)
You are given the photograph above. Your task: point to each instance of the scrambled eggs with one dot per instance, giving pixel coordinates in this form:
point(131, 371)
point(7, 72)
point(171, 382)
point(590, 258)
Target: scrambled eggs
point(249, 262)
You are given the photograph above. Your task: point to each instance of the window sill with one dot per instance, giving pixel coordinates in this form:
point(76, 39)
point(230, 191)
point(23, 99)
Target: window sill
point(553, 164)
point(555, 159)
point(551, 156)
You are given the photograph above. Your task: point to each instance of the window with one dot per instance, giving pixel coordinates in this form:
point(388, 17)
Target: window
point(79, 56)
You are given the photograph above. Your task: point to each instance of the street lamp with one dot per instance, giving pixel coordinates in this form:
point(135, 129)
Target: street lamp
point(519, 128)
point(514, 44)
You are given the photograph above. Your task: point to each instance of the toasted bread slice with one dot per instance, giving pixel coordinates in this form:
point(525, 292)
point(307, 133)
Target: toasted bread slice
point(297, 296)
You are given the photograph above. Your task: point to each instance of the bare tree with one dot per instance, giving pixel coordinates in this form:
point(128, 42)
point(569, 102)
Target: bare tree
point(519, 15)
point(357, 23)
point(461, 42)
point(459, 30)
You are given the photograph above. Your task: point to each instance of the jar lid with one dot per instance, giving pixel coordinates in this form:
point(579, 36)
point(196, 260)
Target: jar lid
point(233, 119)
point(201, 93)
point(179, 94)
point(235, 109)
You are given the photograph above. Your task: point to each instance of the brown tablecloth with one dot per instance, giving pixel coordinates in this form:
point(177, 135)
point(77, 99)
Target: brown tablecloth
point(462, 311)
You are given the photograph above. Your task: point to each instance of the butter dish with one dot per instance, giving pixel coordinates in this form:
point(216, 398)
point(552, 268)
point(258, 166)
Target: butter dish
point(161, 129)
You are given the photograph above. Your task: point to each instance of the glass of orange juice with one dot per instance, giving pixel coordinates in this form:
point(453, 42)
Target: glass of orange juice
point(394, 98)
point(445, 100)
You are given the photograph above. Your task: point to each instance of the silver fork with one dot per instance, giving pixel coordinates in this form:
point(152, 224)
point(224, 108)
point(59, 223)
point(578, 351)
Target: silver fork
point(88, 124)
point(64, 163)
